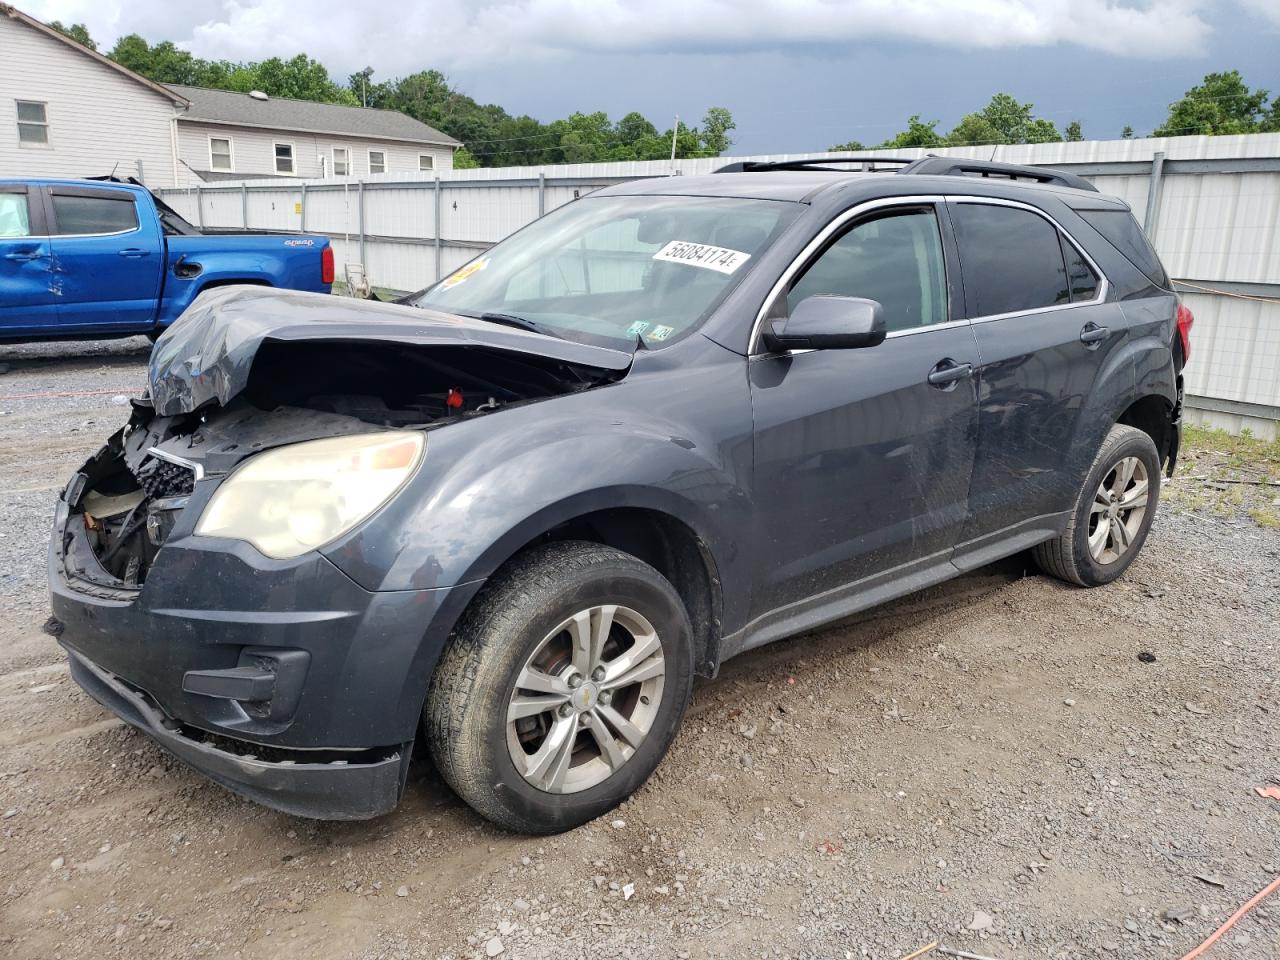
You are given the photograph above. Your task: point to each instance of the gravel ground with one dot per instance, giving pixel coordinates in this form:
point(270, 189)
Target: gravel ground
point(989, 764)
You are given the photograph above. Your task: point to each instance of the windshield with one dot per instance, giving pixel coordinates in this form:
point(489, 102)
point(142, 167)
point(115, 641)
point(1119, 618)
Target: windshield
point(607, 270)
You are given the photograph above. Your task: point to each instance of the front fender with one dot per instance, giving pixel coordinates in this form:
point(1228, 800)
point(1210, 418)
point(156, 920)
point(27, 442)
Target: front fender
point(490, 485)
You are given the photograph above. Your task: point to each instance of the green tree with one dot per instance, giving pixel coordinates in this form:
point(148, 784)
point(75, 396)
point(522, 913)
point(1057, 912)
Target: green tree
point(1127, 132)
point(716, 125)
point(919, 133)
point(851, 146)
point(300, 78)
point(1271, 122)
point(77, 32)
point(973, 130)
point(1222, 104)
point(464, 159)
point(1073, 132)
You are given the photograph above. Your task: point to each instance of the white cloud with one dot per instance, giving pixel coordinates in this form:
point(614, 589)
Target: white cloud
point(1267, 9)
point(399, 37)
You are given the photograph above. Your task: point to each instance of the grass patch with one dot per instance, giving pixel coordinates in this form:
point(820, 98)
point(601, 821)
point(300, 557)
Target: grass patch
point(1227, 476)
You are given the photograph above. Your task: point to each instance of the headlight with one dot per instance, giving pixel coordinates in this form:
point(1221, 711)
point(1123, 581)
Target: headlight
point(294, 499)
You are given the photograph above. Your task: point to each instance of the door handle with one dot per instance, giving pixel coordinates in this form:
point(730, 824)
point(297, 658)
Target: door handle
point(947, 373)
point(133, 252)
point(1092, 334)
point(24, 255)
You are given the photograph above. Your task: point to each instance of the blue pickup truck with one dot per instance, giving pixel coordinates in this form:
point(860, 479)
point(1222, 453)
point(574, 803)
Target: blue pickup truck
point(102, 258)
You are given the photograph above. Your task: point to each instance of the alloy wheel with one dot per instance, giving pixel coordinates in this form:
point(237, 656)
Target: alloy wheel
point(585, 699)
point(1118, 508)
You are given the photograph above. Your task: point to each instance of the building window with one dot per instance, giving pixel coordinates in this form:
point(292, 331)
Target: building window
point(341, 162)
point(33, 123)
point(284, 158)
point(426, 161)
point(377, 161)
point(220, 157)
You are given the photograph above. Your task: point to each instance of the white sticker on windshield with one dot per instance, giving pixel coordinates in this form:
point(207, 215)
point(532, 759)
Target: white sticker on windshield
point(704, 255)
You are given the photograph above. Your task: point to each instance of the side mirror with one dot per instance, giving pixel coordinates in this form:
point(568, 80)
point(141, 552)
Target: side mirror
point(829, 323)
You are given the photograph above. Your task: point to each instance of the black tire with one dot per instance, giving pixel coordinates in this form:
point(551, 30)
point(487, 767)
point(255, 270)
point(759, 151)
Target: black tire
point(1068, 557)
point(466, 709)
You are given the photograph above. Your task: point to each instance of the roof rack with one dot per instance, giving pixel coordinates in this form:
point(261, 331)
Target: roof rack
point(932, 165)
point(813, 163)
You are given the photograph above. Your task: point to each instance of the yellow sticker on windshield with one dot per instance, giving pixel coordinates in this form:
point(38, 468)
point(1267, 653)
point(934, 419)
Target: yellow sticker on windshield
point(458, 276)
point(703, 255)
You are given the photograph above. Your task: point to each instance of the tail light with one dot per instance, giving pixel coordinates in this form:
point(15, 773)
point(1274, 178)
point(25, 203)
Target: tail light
point(326, 269)
point(1185, 320)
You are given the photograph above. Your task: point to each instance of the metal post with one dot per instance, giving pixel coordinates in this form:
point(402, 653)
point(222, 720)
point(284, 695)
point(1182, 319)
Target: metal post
point(437, 229)
point(302, 224)
point(364, 262)
point(1153, 196)
point(199, 207)
point(542, 192)
point(244, 206)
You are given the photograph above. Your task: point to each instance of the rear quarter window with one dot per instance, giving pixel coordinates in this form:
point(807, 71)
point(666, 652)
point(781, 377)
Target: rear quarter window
point(1121, 230)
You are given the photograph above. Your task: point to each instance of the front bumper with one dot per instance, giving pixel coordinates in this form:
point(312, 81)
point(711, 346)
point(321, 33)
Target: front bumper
point(346, 669)
point(338, 790)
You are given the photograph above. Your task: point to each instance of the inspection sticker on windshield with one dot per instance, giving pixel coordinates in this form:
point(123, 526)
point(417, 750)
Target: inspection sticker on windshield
point(720, 259)
point(458, 276)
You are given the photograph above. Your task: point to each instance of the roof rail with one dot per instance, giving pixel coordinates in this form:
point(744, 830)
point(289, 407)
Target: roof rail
point(812, 163)
point(933, 165)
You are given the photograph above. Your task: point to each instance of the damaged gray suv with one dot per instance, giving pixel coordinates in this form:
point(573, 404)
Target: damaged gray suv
point(513, 516)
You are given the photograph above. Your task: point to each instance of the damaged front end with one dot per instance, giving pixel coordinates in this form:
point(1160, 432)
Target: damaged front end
point(123, 503)
point(246, 372)
point(258, 665)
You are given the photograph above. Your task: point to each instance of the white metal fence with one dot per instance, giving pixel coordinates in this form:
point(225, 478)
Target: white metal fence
point(1210, 204)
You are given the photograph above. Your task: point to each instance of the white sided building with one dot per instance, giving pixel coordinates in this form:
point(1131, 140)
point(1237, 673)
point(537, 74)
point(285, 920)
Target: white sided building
point(68, 111)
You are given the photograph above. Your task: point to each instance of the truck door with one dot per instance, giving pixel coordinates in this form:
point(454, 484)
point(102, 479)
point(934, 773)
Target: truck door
point(107, 259)
point(26, 300)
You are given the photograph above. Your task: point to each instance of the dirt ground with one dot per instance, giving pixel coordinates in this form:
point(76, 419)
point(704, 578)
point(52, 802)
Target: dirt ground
point(1003, 764)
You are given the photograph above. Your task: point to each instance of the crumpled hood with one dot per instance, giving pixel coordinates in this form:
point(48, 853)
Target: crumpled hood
point(207, 353)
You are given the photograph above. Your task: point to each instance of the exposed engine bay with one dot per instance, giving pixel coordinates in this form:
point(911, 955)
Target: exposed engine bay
point(126, 500)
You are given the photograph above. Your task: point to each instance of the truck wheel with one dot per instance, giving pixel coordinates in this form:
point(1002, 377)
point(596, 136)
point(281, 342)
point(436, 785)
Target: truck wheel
point(1112, 515)
point(561, 688)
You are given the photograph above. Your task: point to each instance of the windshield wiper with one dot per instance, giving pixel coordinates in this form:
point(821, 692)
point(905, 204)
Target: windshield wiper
point(520, 323)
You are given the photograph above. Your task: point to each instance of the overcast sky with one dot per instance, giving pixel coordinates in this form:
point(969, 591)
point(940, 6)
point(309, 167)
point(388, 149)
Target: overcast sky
point(797, 74)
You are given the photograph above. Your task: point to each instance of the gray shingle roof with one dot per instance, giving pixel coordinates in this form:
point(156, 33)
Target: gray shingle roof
point(278, 113)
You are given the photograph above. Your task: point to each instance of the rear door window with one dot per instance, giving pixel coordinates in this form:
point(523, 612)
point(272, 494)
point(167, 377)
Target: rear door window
point(895, 259)
point(15, 220)
point(79, 215)
point(1012, 259)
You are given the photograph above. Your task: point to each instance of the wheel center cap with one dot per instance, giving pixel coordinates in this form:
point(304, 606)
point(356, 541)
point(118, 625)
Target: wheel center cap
point(585, 697)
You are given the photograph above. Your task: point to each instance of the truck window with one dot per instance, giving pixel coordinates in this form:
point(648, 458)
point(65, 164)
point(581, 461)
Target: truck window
point(93, 215)
point(14, 219)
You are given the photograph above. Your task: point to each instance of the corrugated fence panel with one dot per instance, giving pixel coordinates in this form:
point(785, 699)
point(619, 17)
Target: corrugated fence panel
point(1221, 226)
point(1235, 349)
point(399, 211)
point(400, 266)
point(275, 209)
point(486, 214)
